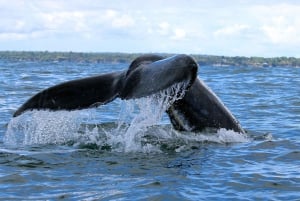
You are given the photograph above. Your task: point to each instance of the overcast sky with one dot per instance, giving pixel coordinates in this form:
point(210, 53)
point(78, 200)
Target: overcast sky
point(232, 28)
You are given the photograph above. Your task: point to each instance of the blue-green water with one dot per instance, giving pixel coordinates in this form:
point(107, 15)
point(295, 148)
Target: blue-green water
point(83, 155)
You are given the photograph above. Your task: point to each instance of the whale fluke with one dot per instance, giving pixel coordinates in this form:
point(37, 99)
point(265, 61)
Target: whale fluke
point(200, 108)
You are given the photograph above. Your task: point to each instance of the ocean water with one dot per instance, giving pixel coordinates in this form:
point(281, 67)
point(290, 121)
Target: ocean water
point(127, 150)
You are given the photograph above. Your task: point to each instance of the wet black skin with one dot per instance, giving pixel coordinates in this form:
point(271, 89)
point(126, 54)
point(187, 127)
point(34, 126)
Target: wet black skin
point(199, 109)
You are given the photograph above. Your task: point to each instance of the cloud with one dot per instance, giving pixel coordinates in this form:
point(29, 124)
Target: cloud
point(166, 30)
point(179, 34)
point(12, 36)
point(231, 30)
point(45, 19)
point(282, 30)
point(282, 34)
point(197, 26)
point(163, 28)
point(116, 19)
point(279, 23)
point(66, 20)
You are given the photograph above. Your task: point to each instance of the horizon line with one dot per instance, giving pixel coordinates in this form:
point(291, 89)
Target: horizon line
point(116, 52)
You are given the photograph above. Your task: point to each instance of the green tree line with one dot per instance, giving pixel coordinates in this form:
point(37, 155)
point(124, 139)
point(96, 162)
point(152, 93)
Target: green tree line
point(128, 57)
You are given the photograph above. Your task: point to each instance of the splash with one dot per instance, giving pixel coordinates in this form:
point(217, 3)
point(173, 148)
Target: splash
point(44, 127)
point(135, 118)
point(137, 129)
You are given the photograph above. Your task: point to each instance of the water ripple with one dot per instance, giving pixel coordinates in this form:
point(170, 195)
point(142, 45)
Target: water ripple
point(188, 167)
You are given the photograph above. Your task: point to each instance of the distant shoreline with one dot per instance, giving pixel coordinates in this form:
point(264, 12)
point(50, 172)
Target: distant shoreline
point(128, 57)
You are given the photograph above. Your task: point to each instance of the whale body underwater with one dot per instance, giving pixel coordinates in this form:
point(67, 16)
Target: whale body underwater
point(197, 110)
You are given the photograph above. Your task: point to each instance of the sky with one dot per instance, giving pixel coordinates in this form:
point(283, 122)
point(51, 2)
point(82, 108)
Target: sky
point(267, 28)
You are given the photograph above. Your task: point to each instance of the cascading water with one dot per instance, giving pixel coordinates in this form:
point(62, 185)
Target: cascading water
point(144, 113)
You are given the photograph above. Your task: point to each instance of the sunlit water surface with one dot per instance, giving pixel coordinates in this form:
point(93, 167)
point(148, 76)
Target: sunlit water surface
point(127, 150)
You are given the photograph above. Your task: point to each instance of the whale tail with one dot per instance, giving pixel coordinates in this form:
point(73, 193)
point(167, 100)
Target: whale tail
point(146, 75)
point(198, 109)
